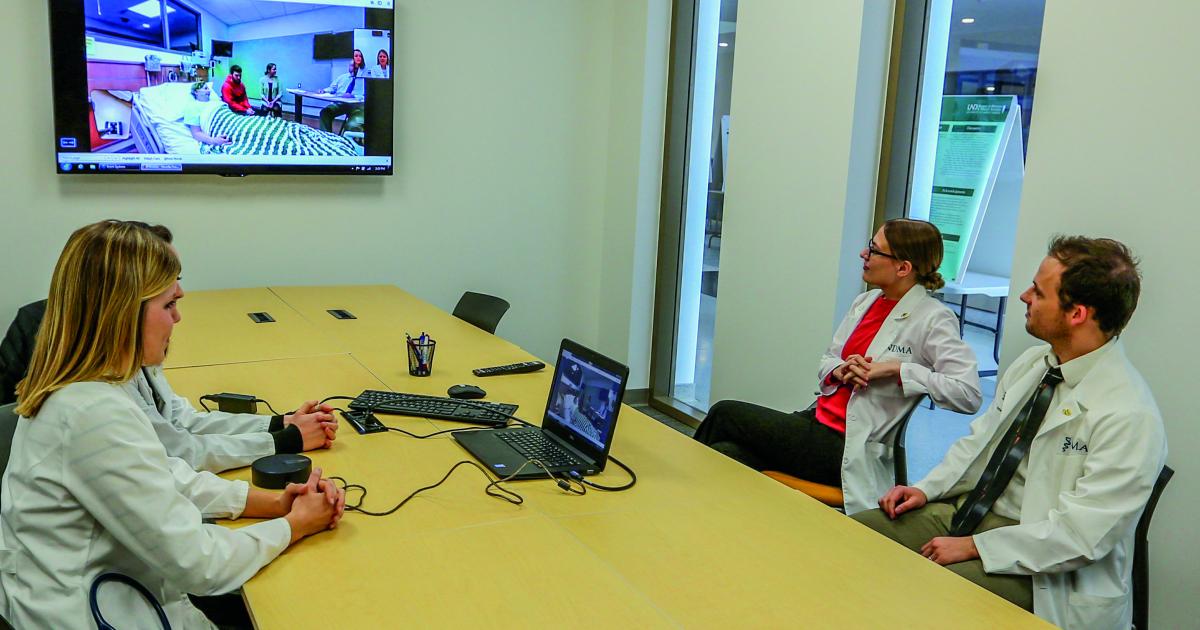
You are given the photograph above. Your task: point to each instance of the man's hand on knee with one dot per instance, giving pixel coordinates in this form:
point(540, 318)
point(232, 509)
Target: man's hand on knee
point(901, 499)
point(950, 550)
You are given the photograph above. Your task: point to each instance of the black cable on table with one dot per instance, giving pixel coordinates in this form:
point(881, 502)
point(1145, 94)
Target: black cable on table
point(562, 482)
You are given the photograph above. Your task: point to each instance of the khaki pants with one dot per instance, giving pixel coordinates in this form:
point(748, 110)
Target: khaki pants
point(914, 529)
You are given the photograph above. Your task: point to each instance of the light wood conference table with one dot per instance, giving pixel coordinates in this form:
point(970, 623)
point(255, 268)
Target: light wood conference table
point(217, 329)
point(700, 541)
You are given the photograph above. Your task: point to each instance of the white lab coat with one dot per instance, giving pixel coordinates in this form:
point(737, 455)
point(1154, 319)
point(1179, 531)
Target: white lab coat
point(212, 441)
point(922, 334)
point(90, 489)
point(1092, 467)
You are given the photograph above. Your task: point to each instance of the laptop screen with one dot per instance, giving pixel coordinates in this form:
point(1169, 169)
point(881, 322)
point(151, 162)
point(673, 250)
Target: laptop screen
point(585, 399)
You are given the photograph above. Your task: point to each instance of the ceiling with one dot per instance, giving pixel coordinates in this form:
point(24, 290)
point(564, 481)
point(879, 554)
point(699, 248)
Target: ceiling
point(233, 12)
point(1008, 24)
point(1006, 34)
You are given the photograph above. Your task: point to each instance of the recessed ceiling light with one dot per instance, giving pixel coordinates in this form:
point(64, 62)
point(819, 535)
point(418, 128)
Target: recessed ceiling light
point(968, 20)
point(724, 44)
point(145, 25)
point(990, 88)
point(149, 8)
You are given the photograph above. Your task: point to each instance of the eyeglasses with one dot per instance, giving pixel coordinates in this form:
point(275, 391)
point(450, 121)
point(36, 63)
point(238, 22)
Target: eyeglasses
point(872, 251)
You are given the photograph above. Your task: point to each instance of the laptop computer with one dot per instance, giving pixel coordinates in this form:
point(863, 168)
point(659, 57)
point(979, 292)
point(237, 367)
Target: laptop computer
point(577, 428)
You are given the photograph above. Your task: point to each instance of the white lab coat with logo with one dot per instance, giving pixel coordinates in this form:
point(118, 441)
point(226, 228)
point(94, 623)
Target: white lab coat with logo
point(1092, 467)
point(212, 441)
point(922, 334)
point(89, 489)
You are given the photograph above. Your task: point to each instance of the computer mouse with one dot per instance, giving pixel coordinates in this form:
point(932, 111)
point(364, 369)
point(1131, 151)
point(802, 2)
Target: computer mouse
point(466, 391)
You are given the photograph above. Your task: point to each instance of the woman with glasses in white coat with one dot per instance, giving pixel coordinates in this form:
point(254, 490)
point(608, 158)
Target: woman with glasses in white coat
point(89, 488)
point(894, 345)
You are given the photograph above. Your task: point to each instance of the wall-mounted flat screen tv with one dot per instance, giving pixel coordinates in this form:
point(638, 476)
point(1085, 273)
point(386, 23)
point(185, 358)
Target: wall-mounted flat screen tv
point(228, 87)
point(221, 49)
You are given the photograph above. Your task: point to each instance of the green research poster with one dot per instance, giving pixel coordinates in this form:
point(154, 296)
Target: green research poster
point(970, 131)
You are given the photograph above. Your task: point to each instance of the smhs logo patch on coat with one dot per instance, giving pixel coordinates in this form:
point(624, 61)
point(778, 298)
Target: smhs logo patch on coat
point(1074, 444)
point(899, 349)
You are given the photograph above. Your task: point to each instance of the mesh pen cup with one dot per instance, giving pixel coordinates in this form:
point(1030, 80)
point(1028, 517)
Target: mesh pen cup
point(420, 356)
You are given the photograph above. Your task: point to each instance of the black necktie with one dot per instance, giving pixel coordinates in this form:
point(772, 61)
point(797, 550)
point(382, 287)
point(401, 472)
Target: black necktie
point(1006, 458)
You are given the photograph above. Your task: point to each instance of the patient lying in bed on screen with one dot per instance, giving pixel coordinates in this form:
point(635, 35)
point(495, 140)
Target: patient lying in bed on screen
point(218, 130)
point(200, 111)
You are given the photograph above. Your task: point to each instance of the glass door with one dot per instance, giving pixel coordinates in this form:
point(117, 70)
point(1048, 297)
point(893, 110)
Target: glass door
point(704, 36)
point(963, 105)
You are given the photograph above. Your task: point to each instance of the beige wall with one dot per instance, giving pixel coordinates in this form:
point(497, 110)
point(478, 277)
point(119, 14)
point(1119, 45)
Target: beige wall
point(803, 153)
point(1112, 152)
point(522, 134)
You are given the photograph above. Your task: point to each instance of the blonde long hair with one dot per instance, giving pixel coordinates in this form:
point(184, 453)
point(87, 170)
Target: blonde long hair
point(93, 325)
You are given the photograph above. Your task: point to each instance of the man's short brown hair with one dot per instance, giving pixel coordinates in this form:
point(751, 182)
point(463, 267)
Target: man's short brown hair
point(1099, 273)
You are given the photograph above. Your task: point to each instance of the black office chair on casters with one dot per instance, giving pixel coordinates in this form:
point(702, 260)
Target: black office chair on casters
point(481, 310)
point(832, 495)
point(1141, 554)
point(16, 348)
point(8, 426)
point(899, 455)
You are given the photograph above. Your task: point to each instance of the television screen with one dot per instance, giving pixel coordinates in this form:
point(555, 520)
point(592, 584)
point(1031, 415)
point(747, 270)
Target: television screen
point(332, 45)
point(221, 49)
point(229, 87)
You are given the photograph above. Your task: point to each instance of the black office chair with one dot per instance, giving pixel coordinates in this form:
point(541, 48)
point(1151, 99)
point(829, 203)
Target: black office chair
point(481, 310)
point(8, 426)
point(899, 456)
point(1141, 554)
point(16, 348)
point(832, 495)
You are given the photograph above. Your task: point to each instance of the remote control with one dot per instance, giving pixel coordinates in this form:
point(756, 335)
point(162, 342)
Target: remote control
point(364, 423)
point(512, 368)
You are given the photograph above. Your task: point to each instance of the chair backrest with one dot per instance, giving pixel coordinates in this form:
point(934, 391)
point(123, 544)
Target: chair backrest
point(899, 460)
point(16, 348)
point(481, 310)
point(8, 426)
point(1141, 554)
point(899, 457)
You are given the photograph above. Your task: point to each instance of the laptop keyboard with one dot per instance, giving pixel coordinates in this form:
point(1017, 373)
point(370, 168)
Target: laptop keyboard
point(533, 445)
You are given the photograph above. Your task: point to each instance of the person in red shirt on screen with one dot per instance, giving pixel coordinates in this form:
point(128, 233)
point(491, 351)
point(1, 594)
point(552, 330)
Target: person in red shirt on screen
point(233, 92)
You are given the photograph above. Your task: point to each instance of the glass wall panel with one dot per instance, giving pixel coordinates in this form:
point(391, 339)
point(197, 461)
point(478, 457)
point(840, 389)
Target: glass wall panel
point(704, 197)
point(965, 65)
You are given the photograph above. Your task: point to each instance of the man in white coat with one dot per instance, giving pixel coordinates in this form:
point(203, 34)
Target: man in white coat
point(1053, 531)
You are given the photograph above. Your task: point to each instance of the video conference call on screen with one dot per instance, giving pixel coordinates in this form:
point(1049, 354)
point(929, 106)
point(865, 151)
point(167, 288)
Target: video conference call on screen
point(585, 399)
point(223, 87)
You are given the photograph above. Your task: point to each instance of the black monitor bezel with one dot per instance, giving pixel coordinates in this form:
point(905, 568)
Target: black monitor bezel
point(68, 66)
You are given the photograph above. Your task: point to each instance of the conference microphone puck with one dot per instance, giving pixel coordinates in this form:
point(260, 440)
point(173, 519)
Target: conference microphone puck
point(275, 472)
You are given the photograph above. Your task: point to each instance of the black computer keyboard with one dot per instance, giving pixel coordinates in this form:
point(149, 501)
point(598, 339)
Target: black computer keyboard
point(535, 446)
point(492, 414)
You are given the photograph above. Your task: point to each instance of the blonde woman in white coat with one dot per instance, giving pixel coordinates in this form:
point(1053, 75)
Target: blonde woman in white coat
point(90, 489)
point(895, 344)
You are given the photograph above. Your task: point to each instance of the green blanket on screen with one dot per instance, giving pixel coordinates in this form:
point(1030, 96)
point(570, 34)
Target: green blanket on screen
point(263, 135)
